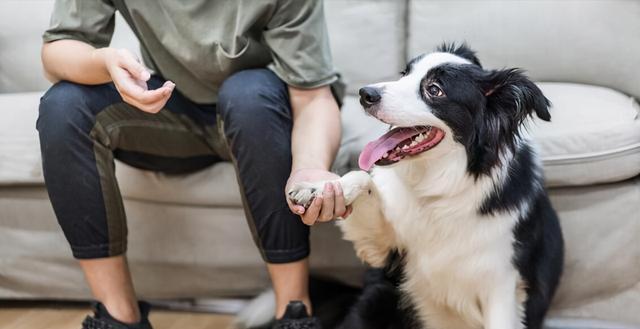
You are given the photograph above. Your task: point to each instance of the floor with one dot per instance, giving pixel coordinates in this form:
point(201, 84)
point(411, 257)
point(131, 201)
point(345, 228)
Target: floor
point(41, 315)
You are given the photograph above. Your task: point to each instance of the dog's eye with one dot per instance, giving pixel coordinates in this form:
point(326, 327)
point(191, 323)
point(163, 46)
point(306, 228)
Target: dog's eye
point(434, 90)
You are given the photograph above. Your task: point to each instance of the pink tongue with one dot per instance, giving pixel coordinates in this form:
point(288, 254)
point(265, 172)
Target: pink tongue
point(377, 148)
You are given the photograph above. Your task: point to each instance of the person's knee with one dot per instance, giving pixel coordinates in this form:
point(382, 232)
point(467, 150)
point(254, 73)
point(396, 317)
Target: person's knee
point(253, 96)
point(60, 111)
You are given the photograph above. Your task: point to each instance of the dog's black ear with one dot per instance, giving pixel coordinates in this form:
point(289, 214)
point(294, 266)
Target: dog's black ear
point(511, 90)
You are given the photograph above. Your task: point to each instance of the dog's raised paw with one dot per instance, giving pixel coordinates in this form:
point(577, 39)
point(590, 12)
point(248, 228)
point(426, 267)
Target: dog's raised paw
point(303, 194)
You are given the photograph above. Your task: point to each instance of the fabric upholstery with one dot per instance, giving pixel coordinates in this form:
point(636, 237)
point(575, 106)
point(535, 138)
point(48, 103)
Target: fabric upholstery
point(594, 137)
point(367, 39)
point(378, 25)
point(175, 251)
point(581, 146)
point(19, 146)
point(20, 68)
point(194, 251)
point(601, 227)
point(592, 42)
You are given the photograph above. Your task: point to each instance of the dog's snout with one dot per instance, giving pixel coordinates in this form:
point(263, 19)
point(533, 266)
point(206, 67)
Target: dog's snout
point(369, 96)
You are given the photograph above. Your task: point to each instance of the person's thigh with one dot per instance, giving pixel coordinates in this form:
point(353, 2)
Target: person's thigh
point(257, 122)
point(83, 128)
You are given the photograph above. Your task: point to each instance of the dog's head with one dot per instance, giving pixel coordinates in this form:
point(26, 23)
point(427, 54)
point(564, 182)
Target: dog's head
point(446, 99)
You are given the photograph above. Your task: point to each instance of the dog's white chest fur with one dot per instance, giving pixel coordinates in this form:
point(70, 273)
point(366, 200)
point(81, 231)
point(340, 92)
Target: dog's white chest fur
point(454, 257)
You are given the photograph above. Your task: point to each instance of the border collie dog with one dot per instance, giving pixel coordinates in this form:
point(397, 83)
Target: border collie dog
point(453, 218)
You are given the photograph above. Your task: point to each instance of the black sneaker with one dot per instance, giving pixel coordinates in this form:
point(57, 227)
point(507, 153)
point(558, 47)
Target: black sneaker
point(101, 319)
point(296, 317)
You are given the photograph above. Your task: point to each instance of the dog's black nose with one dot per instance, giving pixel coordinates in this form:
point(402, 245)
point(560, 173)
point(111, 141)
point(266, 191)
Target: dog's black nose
point(369, 96)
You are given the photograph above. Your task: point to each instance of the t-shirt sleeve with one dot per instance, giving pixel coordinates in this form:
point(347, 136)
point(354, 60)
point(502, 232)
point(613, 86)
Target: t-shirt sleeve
point(89, 21)
point(299, 42)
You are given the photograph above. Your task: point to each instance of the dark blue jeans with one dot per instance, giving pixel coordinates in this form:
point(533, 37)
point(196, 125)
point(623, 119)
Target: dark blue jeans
point(84, 128)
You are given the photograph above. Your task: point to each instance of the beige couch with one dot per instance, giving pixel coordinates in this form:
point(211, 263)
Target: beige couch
point(188, 236)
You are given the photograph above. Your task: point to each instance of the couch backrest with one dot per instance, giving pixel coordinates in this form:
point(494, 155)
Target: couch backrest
point(594, 42)
point(22, 23)
point(367, 38)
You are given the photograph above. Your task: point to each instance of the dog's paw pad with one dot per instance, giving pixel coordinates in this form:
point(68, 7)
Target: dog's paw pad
point(303, 194)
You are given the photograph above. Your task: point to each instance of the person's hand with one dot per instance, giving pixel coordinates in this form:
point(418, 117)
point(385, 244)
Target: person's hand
point(323, 208)
point(130, 78)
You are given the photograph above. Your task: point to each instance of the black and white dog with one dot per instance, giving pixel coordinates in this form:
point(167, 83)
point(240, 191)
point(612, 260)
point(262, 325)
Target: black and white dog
point(454, 209)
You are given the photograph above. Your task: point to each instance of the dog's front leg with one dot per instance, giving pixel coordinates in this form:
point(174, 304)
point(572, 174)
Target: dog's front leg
point(371, 234)
point(502, 309)
point(353, 185)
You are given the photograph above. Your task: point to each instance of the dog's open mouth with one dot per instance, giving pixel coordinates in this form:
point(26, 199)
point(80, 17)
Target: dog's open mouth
point(399, 143)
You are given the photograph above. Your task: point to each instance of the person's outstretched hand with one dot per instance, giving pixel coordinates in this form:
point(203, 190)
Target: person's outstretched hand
point(130, 78)
point(329, 206)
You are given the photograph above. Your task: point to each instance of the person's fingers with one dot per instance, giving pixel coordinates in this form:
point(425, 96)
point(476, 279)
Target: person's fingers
point(298, 210)
point(339, 208)
point(295, 208)
point(327, 212)
point(149, 101)
point(130, 90)
point(150, 108)
point(128, 86)
point(311, 214)
point(153, 96)
point(129, 62)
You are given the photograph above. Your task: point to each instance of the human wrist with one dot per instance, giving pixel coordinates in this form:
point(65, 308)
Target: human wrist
point(101, 57)
point(308, 157)
point(308, 165)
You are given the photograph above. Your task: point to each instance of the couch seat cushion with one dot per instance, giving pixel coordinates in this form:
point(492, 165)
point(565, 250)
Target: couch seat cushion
point(593, 136)
point(19, 145)
point(213, 186)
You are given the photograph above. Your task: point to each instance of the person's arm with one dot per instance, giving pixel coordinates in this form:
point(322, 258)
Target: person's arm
point(314, 143)
point(299, 42)
point(75, 61)
point(79, 62)
point(316, 128)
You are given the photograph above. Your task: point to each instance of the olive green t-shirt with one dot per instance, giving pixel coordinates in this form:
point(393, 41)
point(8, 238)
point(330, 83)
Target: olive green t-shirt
point(199, 43)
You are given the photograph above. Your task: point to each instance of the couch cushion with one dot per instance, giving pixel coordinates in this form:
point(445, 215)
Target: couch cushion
point(213, 186)
point(593, 136)
point(20, 43)
point(367, 39)
point(591, 42)
point(600, 225)
point(20, 67)
point(19, 146)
